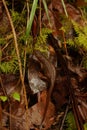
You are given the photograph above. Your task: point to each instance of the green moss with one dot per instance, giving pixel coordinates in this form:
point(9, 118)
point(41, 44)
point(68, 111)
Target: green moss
point(41, 42)
point(70, 121)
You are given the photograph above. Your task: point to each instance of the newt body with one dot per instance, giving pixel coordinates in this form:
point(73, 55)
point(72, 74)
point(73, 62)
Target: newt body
point(51, 74)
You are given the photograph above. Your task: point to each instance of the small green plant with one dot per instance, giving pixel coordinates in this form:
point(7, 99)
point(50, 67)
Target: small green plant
point(70, 121)
point(19, 20)
point(41, 42)
point(30, 20)
point(85, 126)
point(15, 96)
point(80, 37)
point(76, 37)
point(3, 98)
point(10, 66)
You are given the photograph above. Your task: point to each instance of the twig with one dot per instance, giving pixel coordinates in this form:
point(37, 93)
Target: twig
point(10, 115)
point(65, 46)
point(62, 124)
point(27, 4)
point(4, 90)
point(16, 46)
point(18, 54)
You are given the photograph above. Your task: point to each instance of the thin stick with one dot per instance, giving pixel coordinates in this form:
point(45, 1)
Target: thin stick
point(62, 124)
point(27, 4)
point(12, 116)
point(18, 54)
point(40, 15)
point(16, 45)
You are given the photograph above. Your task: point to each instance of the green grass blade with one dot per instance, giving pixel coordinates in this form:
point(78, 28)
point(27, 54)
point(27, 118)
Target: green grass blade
point(64, 8)
point(46, 9)
point(30, 21)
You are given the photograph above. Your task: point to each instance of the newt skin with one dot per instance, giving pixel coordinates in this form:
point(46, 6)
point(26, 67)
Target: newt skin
point(51, 74)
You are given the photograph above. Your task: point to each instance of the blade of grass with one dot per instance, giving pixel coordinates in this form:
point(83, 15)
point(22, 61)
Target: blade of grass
point(46, 9)
point(30, 20)
point(64, 8)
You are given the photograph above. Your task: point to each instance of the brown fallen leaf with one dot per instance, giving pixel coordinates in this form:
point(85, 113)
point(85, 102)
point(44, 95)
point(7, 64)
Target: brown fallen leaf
point(37, 111)
point(34, 116)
